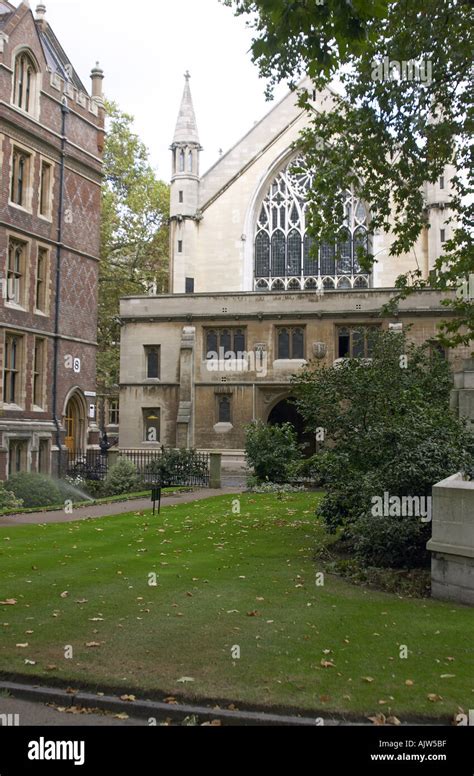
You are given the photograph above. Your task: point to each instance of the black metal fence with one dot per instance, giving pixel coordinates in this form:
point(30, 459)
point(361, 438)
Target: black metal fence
point(168, 468)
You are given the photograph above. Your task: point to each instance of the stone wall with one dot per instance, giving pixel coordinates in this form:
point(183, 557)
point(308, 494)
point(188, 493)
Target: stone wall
point(452, 544)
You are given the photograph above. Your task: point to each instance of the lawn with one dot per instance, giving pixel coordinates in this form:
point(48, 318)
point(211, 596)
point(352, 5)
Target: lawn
point(224, 581)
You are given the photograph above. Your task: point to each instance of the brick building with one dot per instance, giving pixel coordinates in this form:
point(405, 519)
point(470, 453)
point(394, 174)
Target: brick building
point(51, 143)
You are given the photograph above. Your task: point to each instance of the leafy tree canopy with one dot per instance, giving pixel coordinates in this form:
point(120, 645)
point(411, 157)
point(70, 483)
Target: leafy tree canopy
point(134, 241)
point(386, 136)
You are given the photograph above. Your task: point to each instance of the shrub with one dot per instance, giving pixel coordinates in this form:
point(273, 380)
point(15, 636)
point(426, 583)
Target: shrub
point(392, 542)
point(273, 452)
point(35, 490)
point(271, 487)
point(122, 478)
point(178, 467)
point(389, 429)
point(8, 500)
point(96, 489)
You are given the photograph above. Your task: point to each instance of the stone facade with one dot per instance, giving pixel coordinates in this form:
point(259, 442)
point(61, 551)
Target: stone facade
point(280, 310)
point(189, 387)
point(50, 208)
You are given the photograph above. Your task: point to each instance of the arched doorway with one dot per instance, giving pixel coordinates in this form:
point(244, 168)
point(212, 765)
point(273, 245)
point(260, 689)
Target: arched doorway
point(75, 424)
point(286, 412)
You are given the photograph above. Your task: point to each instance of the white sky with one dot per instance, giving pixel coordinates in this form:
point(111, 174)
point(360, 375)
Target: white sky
point(146, 47)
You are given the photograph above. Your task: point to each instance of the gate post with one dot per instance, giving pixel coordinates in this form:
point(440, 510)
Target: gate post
point(215, 479)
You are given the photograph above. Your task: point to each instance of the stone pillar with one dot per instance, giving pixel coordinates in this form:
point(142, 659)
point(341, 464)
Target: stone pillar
point(452, 544)
point(184, 421)
point(462, 397)
point(215, 478)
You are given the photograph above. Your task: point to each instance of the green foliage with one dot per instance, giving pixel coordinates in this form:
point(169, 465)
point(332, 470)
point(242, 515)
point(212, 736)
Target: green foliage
point(95, 489)
point(272, 452)
point(8, 500)
point(135, 235)
point(34, 490)
point(390, 430)
point(391, 541)
point(178, 467)
point(122, 478)
point(385, 136)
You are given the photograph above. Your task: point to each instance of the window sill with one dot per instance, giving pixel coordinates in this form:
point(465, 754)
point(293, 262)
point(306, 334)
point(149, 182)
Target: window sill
point(152, 381)
point(47, 219)
point(38, 410)
point(41, 314)
point(22, 208)
point(223, 428)
point(284, 364)
point(12, 408)
point(14, 306)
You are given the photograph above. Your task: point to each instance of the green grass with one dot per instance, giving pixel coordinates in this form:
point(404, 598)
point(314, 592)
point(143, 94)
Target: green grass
point(95, 502)
point(213, 569)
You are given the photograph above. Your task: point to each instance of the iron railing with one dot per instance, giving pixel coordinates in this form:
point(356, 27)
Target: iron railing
point(165, 467)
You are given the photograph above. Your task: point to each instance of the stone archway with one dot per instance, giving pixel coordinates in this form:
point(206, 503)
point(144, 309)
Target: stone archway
point(286, 412)
point(75, 423)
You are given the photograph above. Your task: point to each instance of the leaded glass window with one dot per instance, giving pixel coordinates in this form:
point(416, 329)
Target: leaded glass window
point(285, 254)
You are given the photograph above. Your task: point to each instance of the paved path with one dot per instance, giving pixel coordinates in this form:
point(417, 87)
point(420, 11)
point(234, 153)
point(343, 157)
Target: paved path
point(107, 510)
point(38, 715)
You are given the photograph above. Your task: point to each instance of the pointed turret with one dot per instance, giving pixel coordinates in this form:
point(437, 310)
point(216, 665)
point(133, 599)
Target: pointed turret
point(185, 180)
point(186, 127)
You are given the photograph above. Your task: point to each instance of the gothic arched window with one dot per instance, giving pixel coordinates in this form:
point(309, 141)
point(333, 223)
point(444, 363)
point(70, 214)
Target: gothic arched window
point(24, 84)
point(190, 161)
point(286, 255)
point(181, 161)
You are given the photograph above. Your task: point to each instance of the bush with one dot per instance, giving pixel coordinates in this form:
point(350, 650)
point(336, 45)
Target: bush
point(392, 542)
point(271, 487)
point(35, 490)
point(95, 489)
point(388, 429)
point(273, 452)
point(178, 467)
point(122, 478)
point(8, 500)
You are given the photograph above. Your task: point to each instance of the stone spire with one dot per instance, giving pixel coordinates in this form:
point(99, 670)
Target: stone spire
point(186, 127)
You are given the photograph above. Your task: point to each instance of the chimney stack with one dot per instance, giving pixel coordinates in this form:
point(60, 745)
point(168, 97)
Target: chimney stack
point(97, 76)
point(40, 15)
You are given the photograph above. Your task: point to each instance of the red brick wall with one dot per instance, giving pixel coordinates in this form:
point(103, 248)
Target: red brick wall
point(80, 235)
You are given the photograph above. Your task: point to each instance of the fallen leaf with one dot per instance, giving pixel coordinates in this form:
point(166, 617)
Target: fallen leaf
point(409, 683)
point(379, 719)
point(65, 594)
point(92, 644)
point(9, 602)
point(128, 698)
point(393, 721)
point(368, 679)
point(22, 646)
point(434, 698)
point(327, 664)
point(185, 680)
point(448, 676)
point(252, 614)
point(121, 716)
